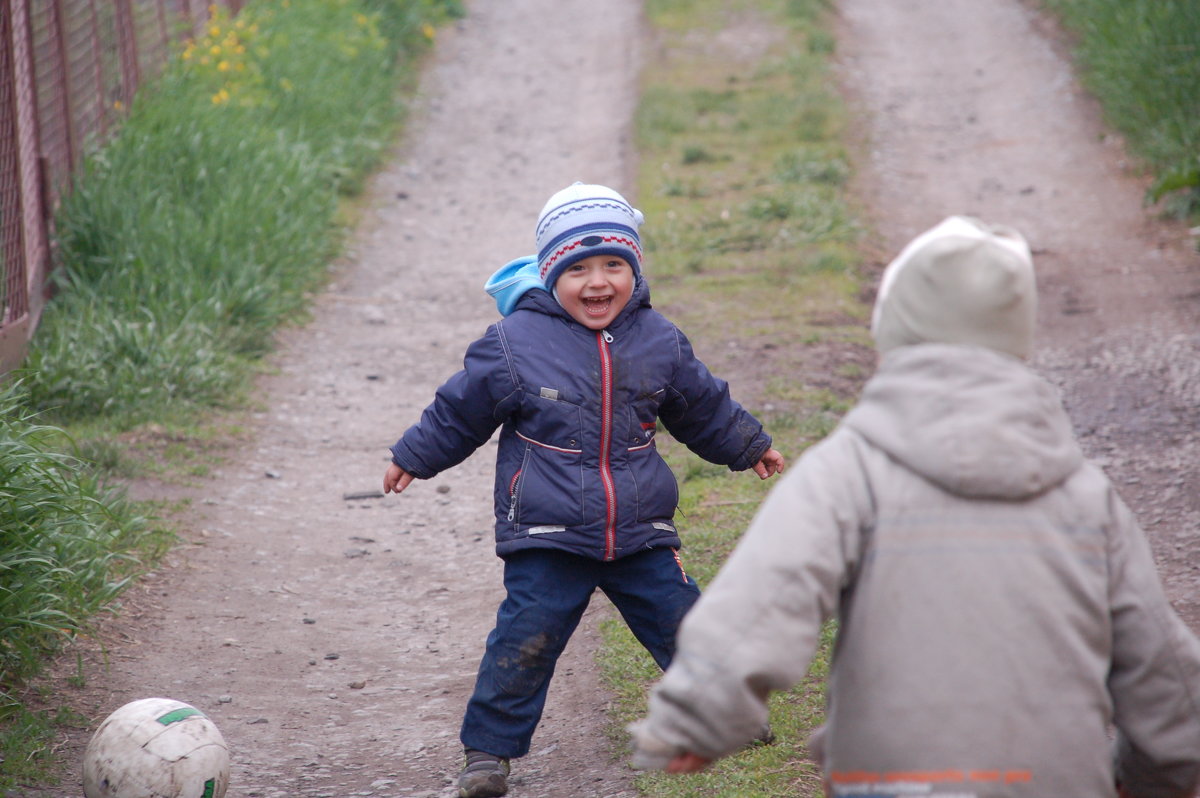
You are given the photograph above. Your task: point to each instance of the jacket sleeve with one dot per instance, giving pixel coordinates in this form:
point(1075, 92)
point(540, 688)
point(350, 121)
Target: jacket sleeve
point(756, 628)
point(700, 413)
point(1155, 674)
point(465, 411)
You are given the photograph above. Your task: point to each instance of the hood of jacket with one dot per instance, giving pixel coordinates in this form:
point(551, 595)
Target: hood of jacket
point(974, 421)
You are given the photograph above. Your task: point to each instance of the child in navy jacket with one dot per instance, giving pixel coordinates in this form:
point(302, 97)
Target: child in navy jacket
point(577, 376)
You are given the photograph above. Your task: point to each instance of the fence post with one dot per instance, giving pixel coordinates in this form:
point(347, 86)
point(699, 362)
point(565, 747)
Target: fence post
point(25, 309)
point(127, 45)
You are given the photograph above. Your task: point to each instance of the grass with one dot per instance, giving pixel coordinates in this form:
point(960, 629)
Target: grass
point(184, 244)
point(207, 223)
point(1142, 59)
point(750, 240)
point(70, 544)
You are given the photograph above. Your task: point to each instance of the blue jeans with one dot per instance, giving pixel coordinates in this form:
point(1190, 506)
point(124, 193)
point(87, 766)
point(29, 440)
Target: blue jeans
point(548, 590)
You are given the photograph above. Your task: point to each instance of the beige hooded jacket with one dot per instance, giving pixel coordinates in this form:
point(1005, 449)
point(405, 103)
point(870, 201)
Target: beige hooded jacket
point(998, 607)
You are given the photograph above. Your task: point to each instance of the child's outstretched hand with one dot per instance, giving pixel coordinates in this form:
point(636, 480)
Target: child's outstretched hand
point(396, 479)
point(771, 464)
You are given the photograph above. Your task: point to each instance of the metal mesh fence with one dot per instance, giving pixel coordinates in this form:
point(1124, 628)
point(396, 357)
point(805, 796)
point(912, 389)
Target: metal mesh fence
point(68, 70)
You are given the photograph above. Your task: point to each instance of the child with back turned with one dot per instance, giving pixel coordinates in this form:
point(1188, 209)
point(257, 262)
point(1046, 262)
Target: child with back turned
point(998, 607)
point(577, 376)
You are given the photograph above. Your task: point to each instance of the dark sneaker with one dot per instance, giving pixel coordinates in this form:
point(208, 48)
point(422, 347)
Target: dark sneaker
point(484, 776)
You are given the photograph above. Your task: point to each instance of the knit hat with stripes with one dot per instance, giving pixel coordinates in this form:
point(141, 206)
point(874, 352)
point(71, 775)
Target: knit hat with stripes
point(584, 220)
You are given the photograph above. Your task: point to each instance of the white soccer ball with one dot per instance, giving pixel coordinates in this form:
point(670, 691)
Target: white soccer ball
point(156, 748)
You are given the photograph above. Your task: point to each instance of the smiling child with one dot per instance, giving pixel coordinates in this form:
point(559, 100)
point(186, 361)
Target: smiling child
point(577, 376)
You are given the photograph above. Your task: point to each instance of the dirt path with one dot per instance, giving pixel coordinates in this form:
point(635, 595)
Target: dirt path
point(335, 641)
point(972, 108)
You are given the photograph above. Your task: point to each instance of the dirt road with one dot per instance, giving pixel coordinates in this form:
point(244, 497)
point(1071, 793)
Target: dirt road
point(335, 641)
point(972, 108)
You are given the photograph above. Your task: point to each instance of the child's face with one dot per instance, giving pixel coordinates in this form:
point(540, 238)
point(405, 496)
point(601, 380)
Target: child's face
point(594, 290)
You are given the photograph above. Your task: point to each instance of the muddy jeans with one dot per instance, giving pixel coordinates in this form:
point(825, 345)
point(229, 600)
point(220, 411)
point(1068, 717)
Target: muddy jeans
point(548, 591)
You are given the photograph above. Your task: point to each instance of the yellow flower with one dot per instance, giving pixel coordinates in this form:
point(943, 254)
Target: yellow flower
point(429, 31)
point(223, 66)
point(215, 49)
point(361, 19)
point(221, 97)
point(214, 31)
point(118, 105)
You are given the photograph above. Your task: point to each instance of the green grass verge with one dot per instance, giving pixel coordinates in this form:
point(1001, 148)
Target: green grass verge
point(70, 545)
point(205, 225)
point(751, 246)
point(184, 244)
point(1141, 58)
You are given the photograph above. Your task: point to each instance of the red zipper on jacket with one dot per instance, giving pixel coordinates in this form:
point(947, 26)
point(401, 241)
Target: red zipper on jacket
point(603, 338)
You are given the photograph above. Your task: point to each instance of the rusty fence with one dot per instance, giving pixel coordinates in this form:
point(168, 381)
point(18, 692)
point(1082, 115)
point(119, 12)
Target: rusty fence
point(68, 68)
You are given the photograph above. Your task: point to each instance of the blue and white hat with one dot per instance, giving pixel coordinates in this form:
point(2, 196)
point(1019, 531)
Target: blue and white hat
point(584, 220)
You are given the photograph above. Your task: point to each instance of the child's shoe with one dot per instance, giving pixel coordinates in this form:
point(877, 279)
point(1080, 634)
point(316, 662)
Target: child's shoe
point(484, 776)
point(765, 737)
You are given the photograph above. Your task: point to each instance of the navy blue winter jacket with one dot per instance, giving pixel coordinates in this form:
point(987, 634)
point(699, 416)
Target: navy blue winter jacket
point(577, 468)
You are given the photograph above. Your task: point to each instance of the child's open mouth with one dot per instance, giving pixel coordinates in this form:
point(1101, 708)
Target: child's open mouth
point(597, 306)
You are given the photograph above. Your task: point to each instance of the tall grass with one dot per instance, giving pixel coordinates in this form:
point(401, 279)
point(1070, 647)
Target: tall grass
point(1142, 59)
point(66, 548)
point(187, 241)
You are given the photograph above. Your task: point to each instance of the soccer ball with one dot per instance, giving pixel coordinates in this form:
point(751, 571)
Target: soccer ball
point(156, 748)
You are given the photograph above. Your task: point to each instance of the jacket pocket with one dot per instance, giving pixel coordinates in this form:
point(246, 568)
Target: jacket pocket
point(654, 482)
point(548, 490)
